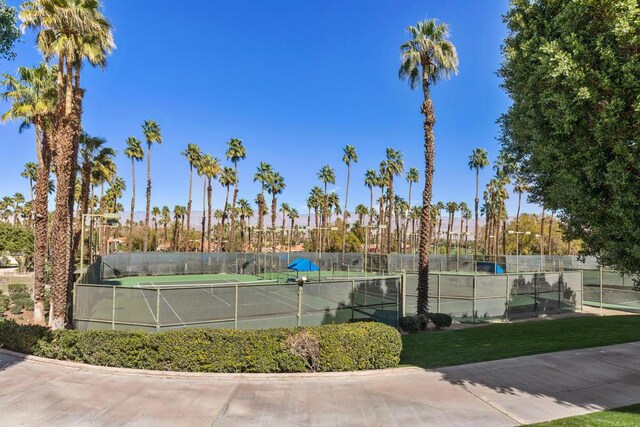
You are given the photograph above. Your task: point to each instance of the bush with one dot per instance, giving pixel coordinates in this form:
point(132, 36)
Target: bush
point(340, 347)
point(440, 320)
point(15, 288)
point(4, 303)
point(410, 324)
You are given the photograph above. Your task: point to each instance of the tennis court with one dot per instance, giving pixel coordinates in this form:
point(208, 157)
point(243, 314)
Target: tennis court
point(234, 301)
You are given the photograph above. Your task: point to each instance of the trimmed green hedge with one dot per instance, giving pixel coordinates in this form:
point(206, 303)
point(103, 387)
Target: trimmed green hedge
point(340, 347)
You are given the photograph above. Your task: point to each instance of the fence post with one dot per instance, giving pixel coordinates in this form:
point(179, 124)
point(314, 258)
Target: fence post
point(600, 287)
point(157, 308)
point(403, 294)
point(299, 305)
point(581, 290)
point(113, 309)
point(235, 311)
point(438, 295)
point(506, 299)
point(473, 307)
point(353, 296)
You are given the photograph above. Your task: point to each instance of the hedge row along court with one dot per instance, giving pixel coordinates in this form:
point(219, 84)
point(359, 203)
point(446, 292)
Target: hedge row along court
point(341, 347)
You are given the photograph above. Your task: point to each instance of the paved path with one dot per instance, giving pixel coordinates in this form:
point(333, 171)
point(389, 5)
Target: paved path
point(501, 393)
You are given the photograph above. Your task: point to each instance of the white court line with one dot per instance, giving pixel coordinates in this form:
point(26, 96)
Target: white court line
point(215, 296)
point(147, 301)
point(290, 299)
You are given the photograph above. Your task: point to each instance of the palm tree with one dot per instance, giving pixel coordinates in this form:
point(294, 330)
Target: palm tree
point(156, 215)
point(361, 210)
point(33, 95)
point(30, 172)
point(327, 176)
point(284, 210)
point(370, 181)
point(18, 200)
point(178, 214)
point(348, 157)
point(275, 186)
point(439, 208)
point(451, 207)
point(393, 166)
point(165, 220)
point(210, 167)
point(227, 179)
point(463, 208)
point(477, 160)
point(235, 152)
point(413, 176)
point(466, 215)
point(521, 186)
point(263, 172)
point(427, 58)
point(192, 153)
point(246, 212)
point(293, 215)
point(72, 31)
point(151, 131)
point(134, 152)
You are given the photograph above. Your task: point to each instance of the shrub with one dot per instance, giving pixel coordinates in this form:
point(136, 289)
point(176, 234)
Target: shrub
point(340, 347)
point(410, 324)
point(18, 287)
point(4, 303)
point(440, 320)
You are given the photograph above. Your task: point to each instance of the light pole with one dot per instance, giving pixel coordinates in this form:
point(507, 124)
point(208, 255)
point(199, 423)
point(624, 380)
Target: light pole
point(518, 233)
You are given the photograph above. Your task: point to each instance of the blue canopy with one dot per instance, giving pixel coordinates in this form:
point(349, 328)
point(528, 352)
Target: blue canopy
point(302, 264)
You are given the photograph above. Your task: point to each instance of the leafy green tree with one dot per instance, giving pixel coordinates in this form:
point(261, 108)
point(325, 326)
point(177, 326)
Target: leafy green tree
point(9, 32)
point(427, 57)
point(571, 69)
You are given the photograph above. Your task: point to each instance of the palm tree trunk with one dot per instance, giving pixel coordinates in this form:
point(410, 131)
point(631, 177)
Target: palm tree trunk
point(187, 243)
point(542, 237)
point(232, 233)
point(209, 213)
point(550, 233)
point(425, 221)
point(145, 237)
point(133, 202)
point(204, 210)
point(344, 213)
point(224, 217)
point(274, 208)
point(41, 224)
point(475, 229)
point(518, 212)
point(390, 213)
point(437, 249)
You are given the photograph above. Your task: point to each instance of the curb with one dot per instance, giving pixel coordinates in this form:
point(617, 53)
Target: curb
point(211, 375)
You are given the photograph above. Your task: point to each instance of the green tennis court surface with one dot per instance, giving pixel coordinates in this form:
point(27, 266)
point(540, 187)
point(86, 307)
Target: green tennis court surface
point(212, 279)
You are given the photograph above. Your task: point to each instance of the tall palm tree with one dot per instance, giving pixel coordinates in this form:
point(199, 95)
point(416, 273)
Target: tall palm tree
point(152, 135)
point(192, 153)
point(246, 212)
point(451, 207)
point(134, 152)
point(178, 215)
point(293, 215)
point(165, 220)
point(477, 160)
point(263, 172)
point(462, 208)
point(71, 31)
point(33, 96)
point(211, 169)
point(275, 186)
point(227, 179)
point(30, 172)
point(439, 208)
point(521, 186)
point(427, 58)
point(413, 177)
point(393, 166)
point(284, 210)
point(370, 181)
point(349, 156)
point(361, 210)
point(235, 152)
point(156, 215)
point(326, 175)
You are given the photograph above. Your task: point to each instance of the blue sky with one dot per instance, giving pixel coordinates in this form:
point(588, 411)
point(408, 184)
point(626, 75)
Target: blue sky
point(296, 81)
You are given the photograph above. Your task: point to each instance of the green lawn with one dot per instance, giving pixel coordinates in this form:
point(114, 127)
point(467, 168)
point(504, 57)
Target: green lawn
point(501, 341)
point(627, 416)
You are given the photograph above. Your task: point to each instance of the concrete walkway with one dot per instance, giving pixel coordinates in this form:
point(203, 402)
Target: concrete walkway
point(501, 393)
